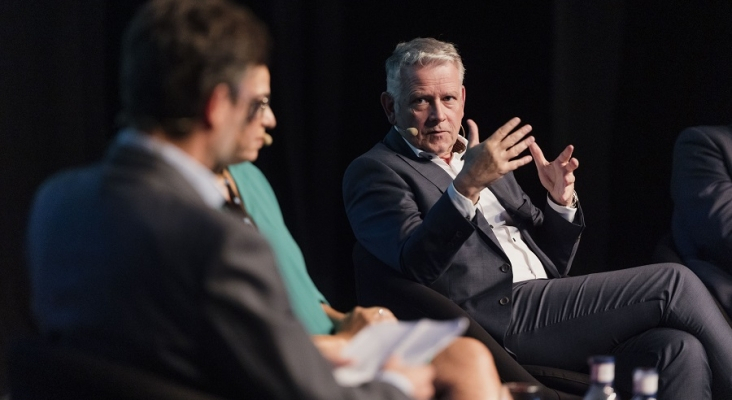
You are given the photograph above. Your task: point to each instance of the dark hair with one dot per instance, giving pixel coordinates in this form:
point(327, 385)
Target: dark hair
point(175, 52)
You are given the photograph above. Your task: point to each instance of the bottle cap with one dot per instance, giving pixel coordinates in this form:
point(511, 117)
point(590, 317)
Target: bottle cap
point(602, 368)
point(645, 381)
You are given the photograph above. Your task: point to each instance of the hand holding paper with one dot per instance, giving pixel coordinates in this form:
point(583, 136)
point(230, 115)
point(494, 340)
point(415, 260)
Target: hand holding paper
point(414, 342)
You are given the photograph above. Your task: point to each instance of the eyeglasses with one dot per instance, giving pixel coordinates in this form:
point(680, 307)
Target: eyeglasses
point(257, 107)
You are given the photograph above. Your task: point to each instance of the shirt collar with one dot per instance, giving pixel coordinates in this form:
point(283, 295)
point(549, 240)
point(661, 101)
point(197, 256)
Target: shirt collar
point(201, 178)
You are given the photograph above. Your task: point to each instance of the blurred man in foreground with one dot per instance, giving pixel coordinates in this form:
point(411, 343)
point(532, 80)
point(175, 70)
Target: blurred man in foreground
point(135, 260)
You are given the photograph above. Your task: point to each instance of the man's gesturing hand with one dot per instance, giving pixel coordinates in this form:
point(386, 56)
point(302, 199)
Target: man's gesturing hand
point(557, 176)
point(488, 161)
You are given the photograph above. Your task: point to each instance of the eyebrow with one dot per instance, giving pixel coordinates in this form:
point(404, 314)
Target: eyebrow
point(420, 94)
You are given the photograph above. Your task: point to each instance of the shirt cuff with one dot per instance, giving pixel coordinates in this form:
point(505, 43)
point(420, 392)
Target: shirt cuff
point(465, 207)
point(566, 212)
point(396, 379)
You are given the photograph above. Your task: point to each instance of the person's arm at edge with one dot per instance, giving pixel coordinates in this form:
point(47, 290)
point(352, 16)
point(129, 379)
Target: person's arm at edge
point(701, 189)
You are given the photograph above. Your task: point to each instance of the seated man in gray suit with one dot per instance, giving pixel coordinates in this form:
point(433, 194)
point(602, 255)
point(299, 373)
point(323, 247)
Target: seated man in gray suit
point(135, 261)
point(447, 212)
point(701, 189)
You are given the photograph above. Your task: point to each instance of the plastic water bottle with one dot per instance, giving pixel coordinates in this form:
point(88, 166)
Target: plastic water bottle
point(645, 384)
point(602, 375)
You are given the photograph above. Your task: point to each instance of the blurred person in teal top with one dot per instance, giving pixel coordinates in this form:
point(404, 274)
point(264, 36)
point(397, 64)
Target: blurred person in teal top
point(261, 203)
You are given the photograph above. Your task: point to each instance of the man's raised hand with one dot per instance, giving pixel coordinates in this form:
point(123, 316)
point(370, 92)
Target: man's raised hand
point(557, 176)
point(489, 160)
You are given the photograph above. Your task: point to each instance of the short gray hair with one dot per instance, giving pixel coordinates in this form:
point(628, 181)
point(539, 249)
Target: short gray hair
point(419, 51)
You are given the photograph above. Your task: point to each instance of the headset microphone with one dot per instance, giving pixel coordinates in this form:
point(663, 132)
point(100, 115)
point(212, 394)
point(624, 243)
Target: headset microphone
point(411, 130)
point(267, 139)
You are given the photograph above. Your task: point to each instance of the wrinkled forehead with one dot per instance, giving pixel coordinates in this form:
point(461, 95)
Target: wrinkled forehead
point(443, 77)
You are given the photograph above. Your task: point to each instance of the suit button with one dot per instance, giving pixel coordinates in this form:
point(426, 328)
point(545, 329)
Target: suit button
point(505, 268)
point(458, 234)
point(503, 301)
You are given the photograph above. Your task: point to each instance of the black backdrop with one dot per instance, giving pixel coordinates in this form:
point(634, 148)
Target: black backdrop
point(619, 79)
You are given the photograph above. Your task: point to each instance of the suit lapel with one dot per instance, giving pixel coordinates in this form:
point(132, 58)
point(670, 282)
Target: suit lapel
point(441, 179)
point(425, 167)
point(514, 203)
point(519, 208)
point(504, 189)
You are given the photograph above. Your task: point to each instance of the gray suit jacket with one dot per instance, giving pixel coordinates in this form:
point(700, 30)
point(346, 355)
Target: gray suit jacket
point(128, 263)
point(399, 210)
point(701, 189)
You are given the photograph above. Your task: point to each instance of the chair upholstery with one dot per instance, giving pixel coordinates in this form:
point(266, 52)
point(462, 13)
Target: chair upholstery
point(379, 285)
point(665, 251)
point(39, 371)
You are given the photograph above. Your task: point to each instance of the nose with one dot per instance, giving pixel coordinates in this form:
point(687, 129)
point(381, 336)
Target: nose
point(268, 119)
point(437, 112)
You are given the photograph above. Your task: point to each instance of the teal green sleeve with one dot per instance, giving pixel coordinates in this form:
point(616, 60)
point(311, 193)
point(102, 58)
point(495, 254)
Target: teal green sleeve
point(262, 205)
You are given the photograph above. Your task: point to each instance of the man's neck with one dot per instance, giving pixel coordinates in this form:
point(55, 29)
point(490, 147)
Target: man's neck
point(192, 144)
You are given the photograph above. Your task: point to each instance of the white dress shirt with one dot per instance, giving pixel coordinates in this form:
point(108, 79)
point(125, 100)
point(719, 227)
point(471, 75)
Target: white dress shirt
point(524, 262)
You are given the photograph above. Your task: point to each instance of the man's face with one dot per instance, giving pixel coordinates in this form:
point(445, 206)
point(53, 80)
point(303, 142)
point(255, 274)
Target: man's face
point(432, 100)
point(248, 119)
point(259, 116)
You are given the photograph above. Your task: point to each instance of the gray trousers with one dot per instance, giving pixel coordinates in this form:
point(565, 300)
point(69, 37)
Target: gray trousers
point(657, 315)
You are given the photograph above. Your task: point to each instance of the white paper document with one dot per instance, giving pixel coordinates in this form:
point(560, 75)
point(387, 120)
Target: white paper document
point(414, 342)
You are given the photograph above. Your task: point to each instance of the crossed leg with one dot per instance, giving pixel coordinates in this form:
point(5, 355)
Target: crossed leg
point(560, 322)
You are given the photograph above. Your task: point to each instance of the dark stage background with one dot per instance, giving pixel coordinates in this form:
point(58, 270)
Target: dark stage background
point(619, 79)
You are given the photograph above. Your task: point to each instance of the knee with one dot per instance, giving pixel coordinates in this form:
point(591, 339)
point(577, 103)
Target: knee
point(675, 268)
point(469, 351)
point(684, 349)
point(680, 274)
point(469, 346)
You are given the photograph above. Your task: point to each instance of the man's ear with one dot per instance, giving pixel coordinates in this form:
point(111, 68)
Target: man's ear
point(218, 106)
point(387, 102)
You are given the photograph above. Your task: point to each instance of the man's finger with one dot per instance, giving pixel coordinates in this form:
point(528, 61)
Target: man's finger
point(571, 165)
point(518, 163)
point(503, 131)
point(566, 154)
point(516, 136)
point(519, 147)
point(473, 137)
point(538, 155)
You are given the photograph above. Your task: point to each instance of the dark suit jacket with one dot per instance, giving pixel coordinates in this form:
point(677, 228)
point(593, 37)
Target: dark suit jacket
point(400, 211)
point(701, 189)
point(128, 263)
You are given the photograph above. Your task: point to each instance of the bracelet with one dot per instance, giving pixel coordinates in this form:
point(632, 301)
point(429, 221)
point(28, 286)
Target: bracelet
point(575, 200)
